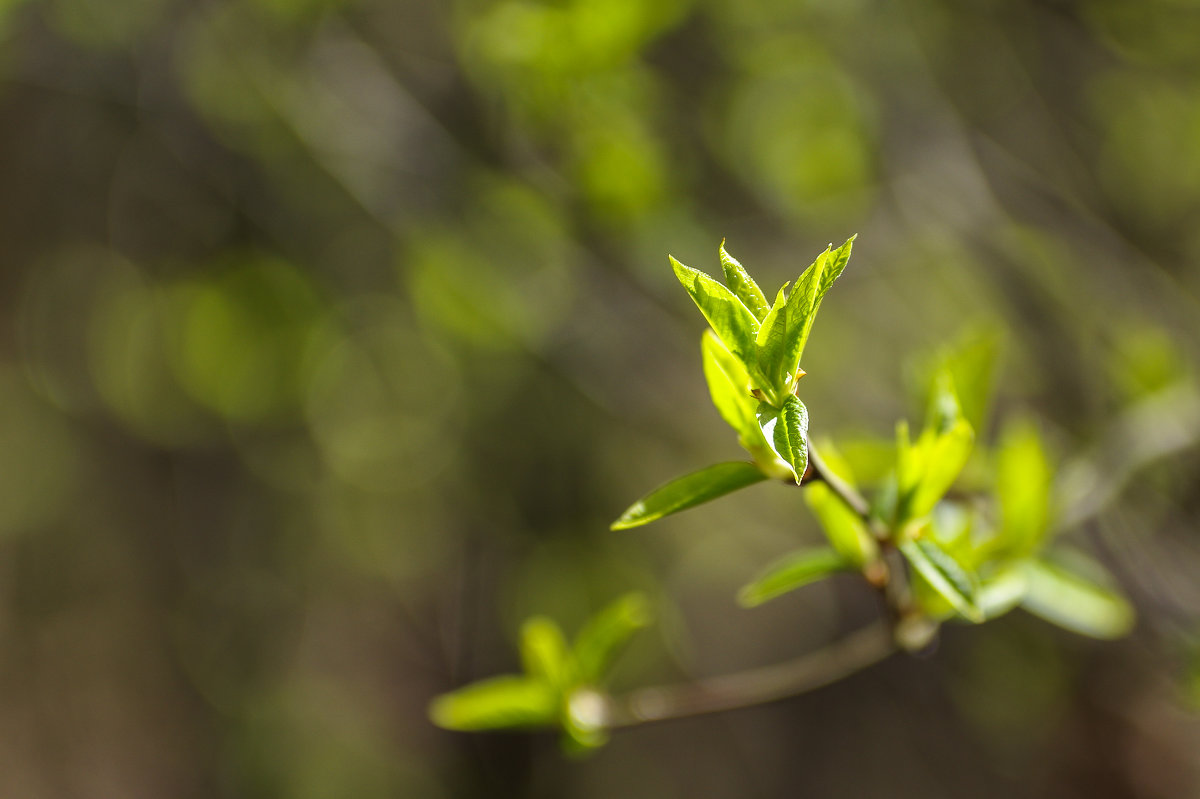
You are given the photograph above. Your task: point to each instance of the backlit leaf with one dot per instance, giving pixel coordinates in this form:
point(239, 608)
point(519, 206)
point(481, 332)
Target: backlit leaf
point(732, 321)
point(688, 491)
point(742, 285)
point(508, 701)
point(944, 575)
point(1062, 595)
point(606, 632)
point(791, 572)
point(846, 531)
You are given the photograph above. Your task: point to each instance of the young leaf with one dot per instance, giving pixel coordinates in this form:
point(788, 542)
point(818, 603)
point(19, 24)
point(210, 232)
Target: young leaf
point(729, 385)
point(544, 651)
point(843, 527)
point(786, 429)
point(500, 702)
point(743, 285)
point(944, 575)
point(791, 572)
point(1063, 596)
point(805, 299)
point(972, 363)
point(1023, 486)
point(688, 491)
point(943, 459)
point(772, 359)
point(604, 634)
point(732, 321)
point(1003, 592)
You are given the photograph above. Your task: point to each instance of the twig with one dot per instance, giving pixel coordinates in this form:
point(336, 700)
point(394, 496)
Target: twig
point(754, 687)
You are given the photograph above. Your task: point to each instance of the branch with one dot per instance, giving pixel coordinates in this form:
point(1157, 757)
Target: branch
point(817, 470)
point(753, 687)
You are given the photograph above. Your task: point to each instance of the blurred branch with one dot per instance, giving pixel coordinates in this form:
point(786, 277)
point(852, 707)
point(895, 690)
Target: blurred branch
point(754, 687)
point(1158, 427)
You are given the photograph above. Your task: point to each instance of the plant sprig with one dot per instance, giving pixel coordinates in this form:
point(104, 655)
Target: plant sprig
point(934, 554)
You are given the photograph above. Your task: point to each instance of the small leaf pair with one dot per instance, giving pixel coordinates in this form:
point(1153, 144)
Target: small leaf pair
point(558, 688)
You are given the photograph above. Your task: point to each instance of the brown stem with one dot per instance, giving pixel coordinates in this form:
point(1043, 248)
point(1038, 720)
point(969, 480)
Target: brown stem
point(754, 687)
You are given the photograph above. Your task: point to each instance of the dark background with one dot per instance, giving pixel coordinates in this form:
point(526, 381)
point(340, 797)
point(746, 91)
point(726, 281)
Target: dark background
point(335, 333)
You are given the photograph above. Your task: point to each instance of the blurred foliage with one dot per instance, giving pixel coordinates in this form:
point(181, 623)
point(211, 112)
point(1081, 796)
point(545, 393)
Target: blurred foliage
point(337, 331)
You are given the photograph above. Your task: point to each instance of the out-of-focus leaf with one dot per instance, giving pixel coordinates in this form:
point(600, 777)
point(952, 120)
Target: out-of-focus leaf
point(732, 321)
point(944, 575)
point(1000, 594)
point(603, 635)
point(584, 723)
point(499, 702)
point(791, 572)
point(688, 491)
point(1061, 595)
point(927, 469)
point(742, 285)
point(943, 459)
point(843, 527)
point(786, 429)
point(1024, 479)
point(972, 363)
point(544, 651)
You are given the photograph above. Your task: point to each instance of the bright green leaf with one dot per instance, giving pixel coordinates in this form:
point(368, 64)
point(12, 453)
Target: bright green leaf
point(1003, 592)
point(806, 296)
point(500, 702)
point(772, 364)
point(786, 429)
point(604, 634)
point(972, 363)
point(544, 651)
point(846, 531)
point(732, 321)
point(791, 572)
point(688, 491)
point(944, 575)
point(1062, 596)
point(1024, 480)
point(943, 460)
point(742, 285)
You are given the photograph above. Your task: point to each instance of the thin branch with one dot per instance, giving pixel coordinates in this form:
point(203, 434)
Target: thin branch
point(846, 492)
point(754, 687)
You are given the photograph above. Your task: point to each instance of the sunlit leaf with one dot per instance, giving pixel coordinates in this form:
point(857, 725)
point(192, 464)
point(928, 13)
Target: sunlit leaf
point(732, 321)
point(786, 429)
point(500, 702)
point(972, 363)
point(728, 384)
point(809, 290)
point(1024, 479)
point(846, 531)
point(544, 651)
point(1000, 594)
point(772, 358)
point(742, 285)
point(944, 575)
point(688, 491)
point(791, 572)
point(604, 634)
point(1063, 596)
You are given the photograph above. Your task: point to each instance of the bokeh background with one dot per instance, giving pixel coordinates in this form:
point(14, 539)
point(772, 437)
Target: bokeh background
point(335, 332)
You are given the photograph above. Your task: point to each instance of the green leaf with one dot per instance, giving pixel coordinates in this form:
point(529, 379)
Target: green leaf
point(732, 321)
point(743, 285)
point(843, 527)
point(927, 469)
point(688, 491)
point(544, 651)
point(791, 572)
point(1062, 595)
point(604, 634)
point(943, 460)
point(1003, 592)
point(810, 289)
point(972, 363)
point(786, 429)
point(499, 702)
point(1024, 478)
point(773, 359)
point(944, 575)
